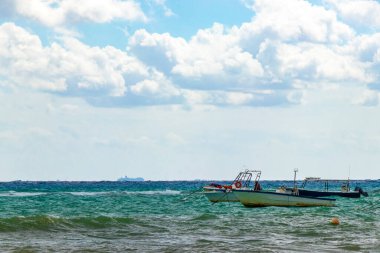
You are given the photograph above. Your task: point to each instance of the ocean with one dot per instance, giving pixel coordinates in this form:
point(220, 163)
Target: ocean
point(175, 217)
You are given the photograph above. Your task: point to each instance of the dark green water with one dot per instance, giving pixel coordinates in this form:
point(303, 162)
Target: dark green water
point(164, 217)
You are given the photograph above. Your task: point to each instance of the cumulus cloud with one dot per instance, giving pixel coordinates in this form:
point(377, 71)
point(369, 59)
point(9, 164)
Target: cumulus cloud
point(292, 21)
point(60, 12)
point(157, 85)
point(71, 67)
point(287, 48)
point(363, 13)
point(211, 59)
point(212, 53)
point(311, 62)
point(285, 44)
point(155, 49)
point(366, 47)
point(23, 60)
point(103, 76)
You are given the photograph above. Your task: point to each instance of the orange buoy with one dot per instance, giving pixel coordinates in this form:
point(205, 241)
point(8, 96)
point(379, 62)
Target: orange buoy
point(335, 221)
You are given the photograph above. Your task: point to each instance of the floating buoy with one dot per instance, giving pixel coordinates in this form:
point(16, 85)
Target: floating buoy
point(335, 221)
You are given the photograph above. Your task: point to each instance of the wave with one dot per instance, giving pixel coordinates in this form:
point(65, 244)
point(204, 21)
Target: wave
point(161, 192)
point(21, 194)
point(90, 193)
point(54, 223)
point(205, 217)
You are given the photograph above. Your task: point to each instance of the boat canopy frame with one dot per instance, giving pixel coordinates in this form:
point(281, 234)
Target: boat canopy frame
point(245, 177)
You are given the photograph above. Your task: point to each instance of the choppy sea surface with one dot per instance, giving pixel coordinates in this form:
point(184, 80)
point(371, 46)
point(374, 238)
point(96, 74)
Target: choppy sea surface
point(175, 217)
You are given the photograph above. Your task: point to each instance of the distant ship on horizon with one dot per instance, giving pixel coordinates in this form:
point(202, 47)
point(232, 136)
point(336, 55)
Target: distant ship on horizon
point(131, 179)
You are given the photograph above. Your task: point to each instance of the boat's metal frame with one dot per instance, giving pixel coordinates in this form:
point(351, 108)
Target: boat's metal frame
point(224, 193)
point(245, 178)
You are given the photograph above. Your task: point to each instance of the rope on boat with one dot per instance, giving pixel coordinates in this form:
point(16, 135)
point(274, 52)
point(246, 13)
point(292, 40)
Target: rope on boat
point(199, 190)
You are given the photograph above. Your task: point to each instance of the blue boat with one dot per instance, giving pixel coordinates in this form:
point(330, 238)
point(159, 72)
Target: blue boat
point(345, 188)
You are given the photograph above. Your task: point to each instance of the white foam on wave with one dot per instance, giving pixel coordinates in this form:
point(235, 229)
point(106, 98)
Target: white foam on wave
point(85, 193)
point(162, 192)
point(20, 194)
point(89, 193)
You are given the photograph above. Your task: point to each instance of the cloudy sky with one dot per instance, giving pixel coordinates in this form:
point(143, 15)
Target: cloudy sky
point(168, 90)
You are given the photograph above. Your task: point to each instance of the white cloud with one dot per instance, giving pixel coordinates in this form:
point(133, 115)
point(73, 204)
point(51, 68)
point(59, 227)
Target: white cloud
point(368, 98)
point(23, 60)
point(211, 56)
point(363, 13)
point(198, 97)
point(366, 47)
point(287, 48)
point(259, 63)
point(311, 62)
point(292, 21)
point(76, 69)
point(157, 86)
point(70, 67)
point(238, 98)
point(59, 12)
point(160, 50)
point(263, 98)
point(213, 53)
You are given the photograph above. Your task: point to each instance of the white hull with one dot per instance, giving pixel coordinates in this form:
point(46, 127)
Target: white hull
point(219, 195)
point(265, 198)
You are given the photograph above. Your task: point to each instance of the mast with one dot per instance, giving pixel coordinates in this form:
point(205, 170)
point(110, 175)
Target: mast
point(295, 190)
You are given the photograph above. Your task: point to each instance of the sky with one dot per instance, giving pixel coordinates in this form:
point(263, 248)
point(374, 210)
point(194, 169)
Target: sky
point(184, 90)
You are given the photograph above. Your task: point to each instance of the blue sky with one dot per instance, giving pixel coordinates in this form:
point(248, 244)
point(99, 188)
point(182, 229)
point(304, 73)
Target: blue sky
point(168, 90)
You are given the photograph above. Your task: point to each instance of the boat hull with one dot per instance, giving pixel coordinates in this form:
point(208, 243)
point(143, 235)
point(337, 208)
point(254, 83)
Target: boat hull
point(310, 193)
point(219, 195)
point(264, 198)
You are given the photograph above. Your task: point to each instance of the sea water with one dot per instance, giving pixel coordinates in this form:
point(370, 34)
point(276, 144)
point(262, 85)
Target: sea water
point(175, 217)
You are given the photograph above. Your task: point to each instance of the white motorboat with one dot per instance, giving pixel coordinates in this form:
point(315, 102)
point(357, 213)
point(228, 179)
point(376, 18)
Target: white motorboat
point(215, 194)
point(251, 198)
point(258, 198)
point(224, 193)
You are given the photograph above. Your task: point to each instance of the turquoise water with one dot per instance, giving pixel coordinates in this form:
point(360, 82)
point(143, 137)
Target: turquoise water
point(172, 216)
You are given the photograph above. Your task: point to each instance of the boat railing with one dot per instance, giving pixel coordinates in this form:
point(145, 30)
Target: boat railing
point(245, 177)
point(344, 187)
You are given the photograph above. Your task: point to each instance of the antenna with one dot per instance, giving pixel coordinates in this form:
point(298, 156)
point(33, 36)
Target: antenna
point(295, 176)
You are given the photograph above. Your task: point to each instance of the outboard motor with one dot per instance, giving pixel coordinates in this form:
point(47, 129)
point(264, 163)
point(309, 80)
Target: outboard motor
point(360, 190)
